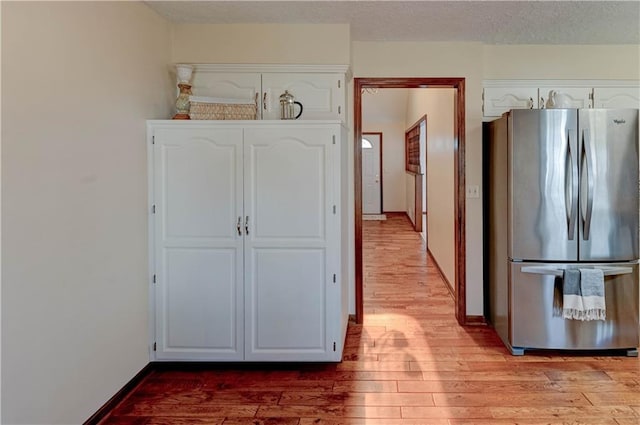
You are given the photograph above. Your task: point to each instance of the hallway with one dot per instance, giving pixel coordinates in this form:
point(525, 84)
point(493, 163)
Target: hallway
point(409, 364)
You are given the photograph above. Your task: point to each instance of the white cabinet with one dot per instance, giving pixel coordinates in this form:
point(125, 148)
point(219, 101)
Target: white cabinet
point(320, 88)
point(499, 96)
point(227, 85)
point(246, 240)
point(617, 97)
point(322, 95)
point(498, 100)
point(574, 97)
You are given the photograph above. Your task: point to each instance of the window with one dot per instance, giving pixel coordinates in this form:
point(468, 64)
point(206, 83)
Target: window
point(412, 147)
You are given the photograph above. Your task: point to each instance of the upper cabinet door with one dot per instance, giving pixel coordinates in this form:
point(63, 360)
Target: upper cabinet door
point(197, 195)
point(229, 85)
point(617, 97)
point(572, 97)
point(322, 95)
point(498, 100)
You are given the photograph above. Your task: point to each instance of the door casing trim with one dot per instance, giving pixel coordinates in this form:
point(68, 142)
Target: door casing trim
point(459, 180)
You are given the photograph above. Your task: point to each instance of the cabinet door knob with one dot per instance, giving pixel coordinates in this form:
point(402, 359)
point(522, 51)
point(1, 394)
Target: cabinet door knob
point(246, 225)
point(264, 101)
point(239, 226)
point(530, 103)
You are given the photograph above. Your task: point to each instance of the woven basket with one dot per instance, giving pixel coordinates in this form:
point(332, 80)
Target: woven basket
point(210, 108)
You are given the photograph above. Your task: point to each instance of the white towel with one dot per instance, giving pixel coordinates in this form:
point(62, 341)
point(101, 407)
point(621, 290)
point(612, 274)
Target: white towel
point(592, 286)
point(583, 294)
point(572, 306)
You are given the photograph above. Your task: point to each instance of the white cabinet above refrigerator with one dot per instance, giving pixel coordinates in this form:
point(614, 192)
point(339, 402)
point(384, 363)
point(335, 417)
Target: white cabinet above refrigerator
point(500, 96)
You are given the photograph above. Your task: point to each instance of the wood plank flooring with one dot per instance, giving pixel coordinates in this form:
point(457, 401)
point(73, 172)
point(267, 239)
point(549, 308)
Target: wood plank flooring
point(409, 364)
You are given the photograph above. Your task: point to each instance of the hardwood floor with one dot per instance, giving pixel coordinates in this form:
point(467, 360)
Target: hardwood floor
point(409, 364)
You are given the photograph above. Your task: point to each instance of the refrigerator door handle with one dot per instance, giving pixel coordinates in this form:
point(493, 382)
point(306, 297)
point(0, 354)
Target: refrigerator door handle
point(553, 271)
point(590, 177)
point(571, 184)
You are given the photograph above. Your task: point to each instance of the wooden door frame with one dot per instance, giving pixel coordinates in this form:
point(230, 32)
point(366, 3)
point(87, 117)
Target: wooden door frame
point(459, 180)
point(419, 175)
point(378, 133)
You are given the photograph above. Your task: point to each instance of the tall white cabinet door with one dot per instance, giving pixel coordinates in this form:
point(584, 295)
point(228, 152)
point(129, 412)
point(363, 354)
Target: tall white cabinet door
point(292, 237)
point(616, 97)
point(321, 95)
point(198, 250)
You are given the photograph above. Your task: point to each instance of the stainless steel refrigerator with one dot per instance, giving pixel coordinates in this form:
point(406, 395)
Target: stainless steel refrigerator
point(563, 193)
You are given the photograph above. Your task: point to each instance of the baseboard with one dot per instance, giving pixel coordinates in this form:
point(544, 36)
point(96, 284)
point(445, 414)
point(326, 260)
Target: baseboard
point(468, 320)
point(442, 275)
point(108, 407)
point(475, 321)
point(406, 214)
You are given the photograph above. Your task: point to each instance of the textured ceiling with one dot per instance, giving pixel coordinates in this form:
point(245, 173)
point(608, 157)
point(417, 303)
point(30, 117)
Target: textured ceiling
point(491, 22)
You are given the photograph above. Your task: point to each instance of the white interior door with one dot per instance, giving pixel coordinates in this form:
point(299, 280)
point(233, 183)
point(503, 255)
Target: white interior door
point(371, 174)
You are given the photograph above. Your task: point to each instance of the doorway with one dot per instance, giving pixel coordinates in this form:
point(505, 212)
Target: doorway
point(372, 174)
point(459, 179)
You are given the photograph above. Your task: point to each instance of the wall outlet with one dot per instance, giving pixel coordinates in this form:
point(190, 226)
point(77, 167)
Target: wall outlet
point(473, 191)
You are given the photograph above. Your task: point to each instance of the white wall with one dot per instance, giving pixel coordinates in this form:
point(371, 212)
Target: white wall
point(617, 62)
point(79, 80)
point(262, 43)
point(437, 104)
